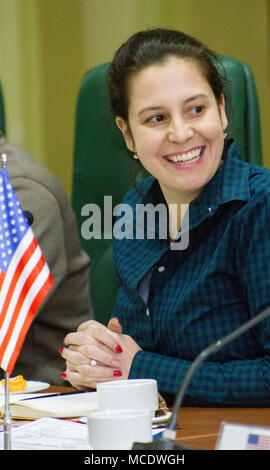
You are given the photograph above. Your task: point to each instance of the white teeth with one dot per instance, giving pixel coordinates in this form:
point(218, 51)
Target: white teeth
point(186, 156)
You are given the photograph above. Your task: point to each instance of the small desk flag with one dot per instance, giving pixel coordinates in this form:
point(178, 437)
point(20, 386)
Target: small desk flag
point(25, 279)
point(258, 442)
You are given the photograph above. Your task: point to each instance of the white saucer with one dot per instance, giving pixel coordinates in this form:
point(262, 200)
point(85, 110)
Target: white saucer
point(162, 419)
point(32, 386)
point(157, 420)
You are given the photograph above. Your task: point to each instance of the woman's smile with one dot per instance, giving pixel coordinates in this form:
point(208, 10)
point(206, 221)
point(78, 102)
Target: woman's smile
point(187, 159)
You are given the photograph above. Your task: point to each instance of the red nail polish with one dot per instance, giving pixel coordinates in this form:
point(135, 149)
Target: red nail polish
point(64, 375)
point(118, 348)
point(61, 350)
point(117, 373)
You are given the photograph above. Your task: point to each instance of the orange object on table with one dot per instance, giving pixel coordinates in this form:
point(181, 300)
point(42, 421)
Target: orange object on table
point(16, 384)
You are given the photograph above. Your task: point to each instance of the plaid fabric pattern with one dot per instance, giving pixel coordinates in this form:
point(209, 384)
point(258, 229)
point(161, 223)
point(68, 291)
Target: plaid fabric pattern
point(220, 281)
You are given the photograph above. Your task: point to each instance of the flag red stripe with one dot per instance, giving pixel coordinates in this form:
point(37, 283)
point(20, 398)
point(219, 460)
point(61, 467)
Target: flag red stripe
point(23, 261)
point(16, 312)
point(34, 306)
point(2, 278)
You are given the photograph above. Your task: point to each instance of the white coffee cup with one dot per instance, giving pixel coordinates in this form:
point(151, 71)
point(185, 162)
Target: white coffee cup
point(119, 429)
point(134, 394)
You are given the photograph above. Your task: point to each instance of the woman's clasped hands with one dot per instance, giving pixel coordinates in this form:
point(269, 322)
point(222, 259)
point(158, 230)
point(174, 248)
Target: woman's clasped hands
point(96, 353)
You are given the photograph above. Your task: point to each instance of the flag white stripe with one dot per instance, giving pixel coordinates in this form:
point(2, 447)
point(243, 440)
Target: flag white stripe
point(21, 248)
point(40, 281)
point(28, 268)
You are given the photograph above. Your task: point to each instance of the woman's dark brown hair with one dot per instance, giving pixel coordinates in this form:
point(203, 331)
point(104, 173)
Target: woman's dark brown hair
point(155, 46)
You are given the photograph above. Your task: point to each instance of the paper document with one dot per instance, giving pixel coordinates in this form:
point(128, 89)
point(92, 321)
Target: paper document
point(22, 396)
point(49, 434)
point(59, 406)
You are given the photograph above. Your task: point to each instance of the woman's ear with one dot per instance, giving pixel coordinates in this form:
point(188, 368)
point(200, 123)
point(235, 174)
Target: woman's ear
point(223, 116)
point(124, 128)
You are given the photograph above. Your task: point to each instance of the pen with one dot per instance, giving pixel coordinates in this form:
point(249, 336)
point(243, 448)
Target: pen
point(47, 395)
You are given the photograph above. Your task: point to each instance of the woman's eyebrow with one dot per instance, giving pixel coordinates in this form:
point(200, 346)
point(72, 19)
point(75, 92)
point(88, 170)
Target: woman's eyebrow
point(150, 108)
point(195, 97)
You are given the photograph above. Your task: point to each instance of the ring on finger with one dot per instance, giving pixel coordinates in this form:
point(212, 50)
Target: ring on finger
point(93, 362)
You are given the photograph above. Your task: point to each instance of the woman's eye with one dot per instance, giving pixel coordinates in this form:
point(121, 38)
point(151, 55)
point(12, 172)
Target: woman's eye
point(155, 119)
point(197, 109)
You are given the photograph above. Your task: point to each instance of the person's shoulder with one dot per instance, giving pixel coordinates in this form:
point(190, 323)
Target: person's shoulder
point(137, 193)
point(259, 179)
point(259, 186)
point(25, 171)
point(258, 176)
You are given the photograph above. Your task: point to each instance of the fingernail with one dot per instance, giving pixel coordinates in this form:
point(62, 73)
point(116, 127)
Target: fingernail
point(118, 348)
point(63, 375)
point(61, 350)
point(117, 373)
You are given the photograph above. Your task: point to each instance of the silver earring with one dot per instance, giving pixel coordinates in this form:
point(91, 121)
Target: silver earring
point(225, 135)
point(135, 156)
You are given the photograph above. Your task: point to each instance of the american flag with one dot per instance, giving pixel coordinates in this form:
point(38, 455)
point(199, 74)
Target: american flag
point(25, 278)
point(258, 442)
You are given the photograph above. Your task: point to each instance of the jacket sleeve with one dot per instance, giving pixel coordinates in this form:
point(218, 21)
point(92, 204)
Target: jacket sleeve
point(234, 383)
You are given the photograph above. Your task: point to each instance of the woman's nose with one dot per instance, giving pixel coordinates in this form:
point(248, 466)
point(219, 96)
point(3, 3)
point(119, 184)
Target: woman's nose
point(179, 131)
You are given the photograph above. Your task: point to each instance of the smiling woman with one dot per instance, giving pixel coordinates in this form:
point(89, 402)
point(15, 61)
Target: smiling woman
point(168, 100)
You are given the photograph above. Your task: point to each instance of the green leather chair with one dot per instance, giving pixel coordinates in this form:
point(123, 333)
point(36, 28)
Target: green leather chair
point(2, 112)
point(104, 167)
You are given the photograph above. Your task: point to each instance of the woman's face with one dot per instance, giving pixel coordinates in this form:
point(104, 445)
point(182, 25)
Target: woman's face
point(176, 127)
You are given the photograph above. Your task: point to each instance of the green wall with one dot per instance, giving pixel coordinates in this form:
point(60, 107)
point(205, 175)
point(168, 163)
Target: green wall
point(47, 45)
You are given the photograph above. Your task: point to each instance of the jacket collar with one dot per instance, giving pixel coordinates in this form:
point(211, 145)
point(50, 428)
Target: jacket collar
point(230, 183)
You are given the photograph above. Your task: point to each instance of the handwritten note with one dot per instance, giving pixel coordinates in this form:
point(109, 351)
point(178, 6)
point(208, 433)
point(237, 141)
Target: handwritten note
point(49, 434)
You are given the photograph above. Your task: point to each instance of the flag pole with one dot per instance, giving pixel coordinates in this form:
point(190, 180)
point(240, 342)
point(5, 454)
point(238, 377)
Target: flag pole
point(7, 415)
point(3, 160)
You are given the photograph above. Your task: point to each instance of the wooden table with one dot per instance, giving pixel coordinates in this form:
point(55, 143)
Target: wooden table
point(199, 427)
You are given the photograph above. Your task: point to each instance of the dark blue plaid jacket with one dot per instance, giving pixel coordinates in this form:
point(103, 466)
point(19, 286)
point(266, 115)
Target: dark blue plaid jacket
point(202, 293)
